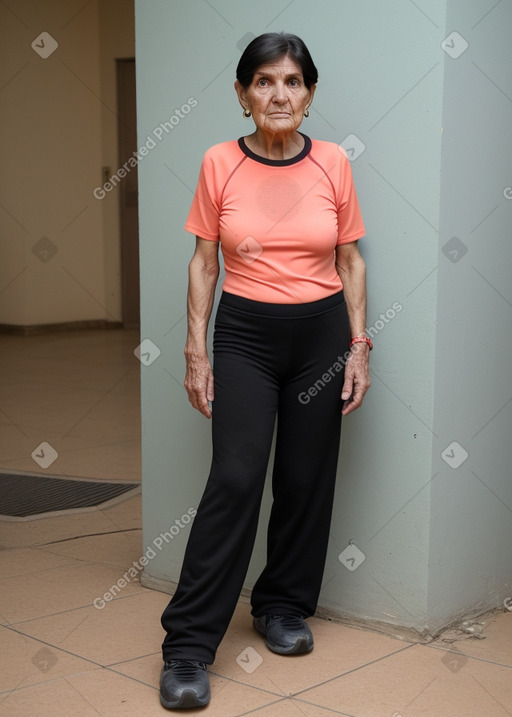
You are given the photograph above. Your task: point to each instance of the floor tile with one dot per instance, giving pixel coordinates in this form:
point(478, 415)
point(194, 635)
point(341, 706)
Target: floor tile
point(119, 549)
point(420, 682)
point(145, 669)
point(49, 592)
point(15, 534)
point(244, 656)
point(496, 646)
point(294, 708)
point(126, 514)
point(78, 390)
point(22, 561)
point(113, 459)
point(104, 692)
point(25, 661)
point(107, 695)
point(37, 405)
point(229, 699)
point(126, 628)
point(50, 699)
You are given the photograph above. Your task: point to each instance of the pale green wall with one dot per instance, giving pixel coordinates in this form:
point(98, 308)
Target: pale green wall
point(470, 556)
point(381, 78)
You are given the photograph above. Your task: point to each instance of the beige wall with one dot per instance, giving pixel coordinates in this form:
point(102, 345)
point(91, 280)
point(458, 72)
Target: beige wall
point(59, 129)
point(117, 40)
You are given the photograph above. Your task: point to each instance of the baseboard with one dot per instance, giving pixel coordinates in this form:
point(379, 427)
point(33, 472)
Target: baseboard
point(163, 586)
point(407, 634)
point(17, 330)
point(454, 628)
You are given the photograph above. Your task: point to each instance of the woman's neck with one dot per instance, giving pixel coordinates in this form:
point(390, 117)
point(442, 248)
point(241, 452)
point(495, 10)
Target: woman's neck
point(275, 146)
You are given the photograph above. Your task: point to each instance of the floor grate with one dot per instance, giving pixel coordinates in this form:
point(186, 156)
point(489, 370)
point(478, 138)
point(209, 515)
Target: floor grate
point(22, 495)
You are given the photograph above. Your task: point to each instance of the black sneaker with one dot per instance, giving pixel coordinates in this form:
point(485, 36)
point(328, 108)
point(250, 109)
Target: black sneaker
point(184, 684)
point(286, 634)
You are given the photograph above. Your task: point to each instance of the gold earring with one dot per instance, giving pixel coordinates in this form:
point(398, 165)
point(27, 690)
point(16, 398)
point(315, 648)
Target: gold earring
point(246, 114)
point(306, 113)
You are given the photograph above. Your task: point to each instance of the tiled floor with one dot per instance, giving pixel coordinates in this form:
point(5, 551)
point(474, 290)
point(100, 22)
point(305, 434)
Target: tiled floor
point(60, 655)
point(79, 392)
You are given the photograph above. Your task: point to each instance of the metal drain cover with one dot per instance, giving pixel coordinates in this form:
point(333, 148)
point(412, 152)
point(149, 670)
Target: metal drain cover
point(22, 495)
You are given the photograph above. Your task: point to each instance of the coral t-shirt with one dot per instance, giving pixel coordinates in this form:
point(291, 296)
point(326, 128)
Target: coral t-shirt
point(278, 221)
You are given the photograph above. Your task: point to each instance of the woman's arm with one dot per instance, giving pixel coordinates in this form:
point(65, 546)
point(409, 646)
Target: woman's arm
point(352, 271)
point(203, 272)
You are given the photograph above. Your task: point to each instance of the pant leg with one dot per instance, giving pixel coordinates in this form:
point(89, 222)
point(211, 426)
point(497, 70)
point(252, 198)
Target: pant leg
point(307, 446)
point(222, 535)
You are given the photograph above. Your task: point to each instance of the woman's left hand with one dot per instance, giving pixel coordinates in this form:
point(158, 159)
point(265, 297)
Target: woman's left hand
point(357, 378)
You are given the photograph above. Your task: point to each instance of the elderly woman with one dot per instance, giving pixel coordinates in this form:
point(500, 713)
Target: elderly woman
point(289, 343)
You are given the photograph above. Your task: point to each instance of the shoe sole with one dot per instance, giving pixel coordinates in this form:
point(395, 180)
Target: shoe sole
point(301, 647)
point(187, 700)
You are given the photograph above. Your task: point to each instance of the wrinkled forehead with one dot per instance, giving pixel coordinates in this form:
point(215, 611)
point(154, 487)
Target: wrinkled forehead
point(282, 66)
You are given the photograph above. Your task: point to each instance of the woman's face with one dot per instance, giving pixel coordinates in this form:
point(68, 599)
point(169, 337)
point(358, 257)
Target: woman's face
point(277, 96)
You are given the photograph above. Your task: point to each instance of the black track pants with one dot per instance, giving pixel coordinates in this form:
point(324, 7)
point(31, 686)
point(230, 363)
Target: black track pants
point(269, 359)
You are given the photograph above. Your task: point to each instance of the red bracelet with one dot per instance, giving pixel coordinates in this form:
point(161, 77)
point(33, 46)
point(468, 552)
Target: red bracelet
point(361, 340)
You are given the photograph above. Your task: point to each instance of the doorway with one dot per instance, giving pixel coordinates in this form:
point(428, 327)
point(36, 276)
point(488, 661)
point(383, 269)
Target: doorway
point(128, 195)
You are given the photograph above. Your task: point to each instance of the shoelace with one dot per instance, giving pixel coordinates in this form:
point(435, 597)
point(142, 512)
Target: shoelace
point(185, 668)
point(287, 621)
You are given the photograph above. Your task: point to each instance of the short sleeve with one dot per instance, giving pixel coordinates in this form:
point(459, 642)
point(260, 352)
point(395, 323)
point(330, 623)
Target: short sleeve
point(203, 217)
point(350, 220)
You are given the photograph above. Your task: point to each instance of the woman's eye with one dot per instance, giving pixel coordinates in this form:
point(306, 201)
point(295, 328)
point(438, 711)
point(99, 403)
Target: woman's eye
point(262, 83)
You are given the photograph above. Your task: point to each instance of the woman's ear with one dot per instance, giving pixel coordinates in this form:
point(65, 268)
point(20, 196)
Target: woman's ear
point(240, 91)
point(311, 95)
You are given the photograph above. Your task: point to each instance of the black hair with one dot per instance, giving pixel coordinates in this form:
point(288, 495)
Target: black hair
point(273, 46)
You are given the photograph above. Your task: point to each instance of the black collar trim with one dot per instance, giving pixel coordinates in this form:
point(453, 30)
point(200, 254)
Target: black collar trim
point(277, 162)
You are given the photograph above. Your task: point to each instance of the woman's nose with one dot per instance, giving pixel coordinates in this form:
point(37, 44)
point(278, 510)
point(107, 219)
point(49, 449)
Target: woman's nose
point(280, 93)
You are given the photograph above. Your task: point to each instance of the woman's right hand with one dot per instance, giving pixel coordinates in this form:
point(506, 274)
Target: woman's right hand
point(199, 381)
point(203, 273)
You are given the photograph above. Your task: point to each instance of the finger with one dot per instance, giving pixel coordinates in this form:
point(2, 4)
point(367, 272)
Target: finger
point(354, 401)
point(202, 406)
point(348, 387)
point(357, 399)
point(349, 406)
point(209, 388)
point(206, 411)
point(199, 400)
